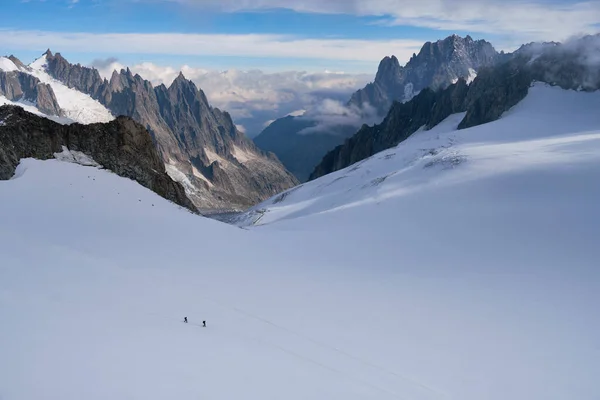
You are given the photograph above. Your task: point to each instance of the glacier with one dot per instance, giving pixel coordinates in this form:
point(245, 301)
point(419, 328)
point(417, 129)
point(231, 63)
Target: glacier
point(458, 265)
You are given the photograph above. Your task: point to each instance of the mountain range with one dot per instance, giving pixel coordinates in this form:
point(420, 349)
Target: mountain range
point(221, 169)
point(200, 145)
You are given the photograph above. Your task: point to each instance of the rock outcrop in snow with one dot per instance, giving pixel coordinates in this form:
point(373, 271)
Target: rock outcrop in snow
point(122, 146)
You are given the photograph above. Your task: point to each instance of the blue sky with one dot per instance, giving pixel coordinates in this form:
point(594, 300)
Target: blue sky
point(313, 35)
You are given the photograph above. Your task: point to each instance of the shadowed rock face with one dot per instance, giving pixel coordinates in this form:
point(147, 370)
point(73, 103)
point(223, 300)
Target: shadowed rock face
point(122, 146)
point(428, 108)
point(17, 85)
point(226, 169)
point(494, 91)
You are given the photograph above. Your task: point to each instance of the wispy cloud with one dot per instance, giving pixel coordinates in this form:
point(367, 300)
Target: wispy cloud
point(244, 45)
point(523, 19)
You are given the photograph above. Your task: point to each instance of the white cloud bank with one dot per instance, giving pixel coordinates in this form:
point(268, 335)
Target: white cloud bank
point(254, 98)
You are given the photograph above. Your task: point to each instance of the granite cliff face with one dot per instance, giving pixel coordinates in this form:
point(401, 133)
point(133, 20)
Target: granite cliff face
point(495, 90)
point(201, 146)
point(122, 146)
point(19, 86)
point(437, 66)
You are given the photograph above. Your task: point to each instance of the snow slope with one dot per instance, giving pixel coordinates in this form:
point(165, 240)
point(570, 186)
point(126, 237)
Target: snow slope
point(77, 106)
point(7, 65)
point(471, 273)
point(30, 107)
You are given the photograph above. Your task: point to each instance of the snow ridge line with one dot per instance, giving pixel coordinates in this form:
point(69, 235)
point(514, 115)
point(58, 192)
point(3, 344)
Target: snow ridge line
point(335, 349)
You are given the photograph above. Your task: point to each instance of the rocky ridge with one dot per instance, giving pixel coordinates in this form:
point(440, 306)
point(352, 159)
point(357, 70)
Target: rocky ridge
point(121, 146)
point(438, 65)
point(16, 85)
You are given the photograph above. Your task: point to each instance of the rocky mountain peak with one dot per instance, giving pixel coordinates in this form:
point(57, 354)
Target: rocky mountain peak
point(389, 69)
point(182, 83)
point(437, 65)
point(17, 62)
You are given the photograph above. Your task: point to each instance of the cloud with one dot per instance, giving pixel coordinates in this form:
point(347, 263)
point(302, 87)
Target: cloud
point(525, 19)
point(335, 117)
point(256, 97)
point(239, 45)
point(106, 64)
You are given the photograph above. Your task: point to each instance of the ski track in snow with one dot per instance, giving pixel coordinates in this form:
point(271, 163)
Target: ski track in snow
point(458, 265)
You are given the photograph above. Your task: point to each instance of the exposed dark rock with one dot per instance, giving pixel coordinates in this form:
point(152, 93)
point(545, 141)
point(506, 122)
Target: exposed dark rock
point(86, 80)
point(428, 108)
point(17, 62)
point(122, 146)
point(571, 65)
point(494, 92)
point(46, 100)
